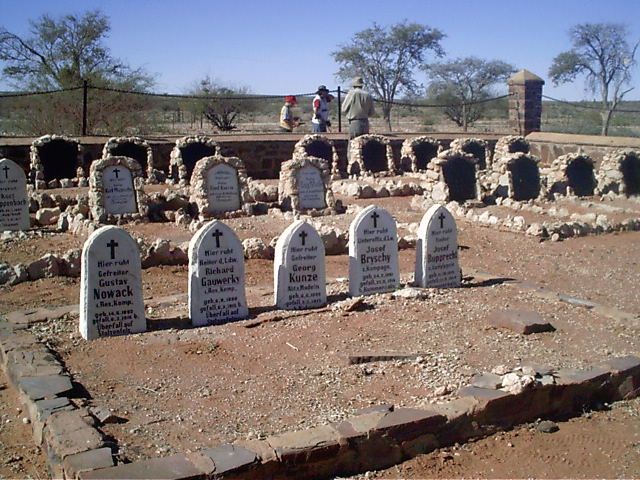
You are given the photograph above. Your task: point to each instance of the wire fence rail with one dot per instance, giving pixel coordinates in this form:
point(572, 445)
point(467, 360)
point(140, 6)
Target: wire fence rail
point(95, 109)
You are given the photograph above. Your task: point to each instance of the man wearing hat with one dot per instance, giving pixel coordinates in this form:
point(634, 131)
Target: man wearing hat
point(287, 120)
point(320, 119)
point(358, 107)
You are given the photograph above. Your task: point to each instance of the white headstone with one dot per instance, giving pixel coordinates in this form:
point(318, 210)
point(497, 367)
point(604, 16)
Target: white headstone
point(119, 194)
point(437, 250)
point(311, 190)
point(216, 276)
point(14, 206)
point(223, 190)
point(299, 269)
point(373, 253)
point(111, 285)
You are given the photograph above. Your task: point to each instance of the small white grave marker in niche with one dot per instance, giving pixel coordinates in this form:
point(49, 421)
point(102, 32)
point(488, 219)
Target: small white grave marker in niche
point(14, 206)
point(111, 285)
point(216, 276)
point(437, 250)
point(373, 253)
point(223, 190)
point(299, 269)
point(119, 194)
point(311, 190)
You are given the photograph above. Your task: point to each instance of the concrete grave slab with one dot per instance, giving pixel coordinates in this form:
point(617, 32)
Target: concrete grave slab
point(14, 206)
point(299, 268)
point(520, 321)
point(216, 276)
point(111, 285)
point(437, 250)
point(373, 252)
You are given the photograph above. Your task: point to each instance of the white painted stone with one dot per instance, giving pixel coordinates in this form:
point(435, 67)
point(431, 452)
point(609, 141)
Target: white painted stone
point(216, 276)
point(111, 285)
point(299, 268)
point(373, 252)
point(119, 194)
point(223, 190)
point(14, 205)
point(311, 191)
point(437, 250)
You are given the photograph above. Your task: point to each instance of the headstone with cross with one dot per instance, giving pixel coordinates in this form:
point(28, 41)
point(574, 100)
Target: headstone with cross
point(373, 252)
point(437, 250)
point(216, 276)
point(311, 189)
point(111, 285)
point(299, 268)
point(223, 189)
point(119, 193)
point(14, 205)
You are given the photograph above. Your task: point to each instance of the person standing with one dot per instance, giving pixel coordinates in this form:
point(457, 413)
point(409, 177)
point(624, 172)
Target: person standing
point(320, 118)
point(358, 107)
point(287, 120)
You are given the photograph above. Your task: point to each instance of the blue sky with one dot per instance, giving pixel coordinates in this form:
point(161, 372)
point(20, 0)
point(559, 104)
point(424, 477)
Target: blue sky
point(279, 47)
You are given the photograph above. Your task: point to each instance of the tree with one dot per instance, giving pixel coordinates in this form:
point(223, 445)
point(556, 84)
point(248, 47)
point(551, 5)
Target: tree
point(463, 82)
point(224, 104)
point(387, 57)
point(60, 54)
point(603, 55)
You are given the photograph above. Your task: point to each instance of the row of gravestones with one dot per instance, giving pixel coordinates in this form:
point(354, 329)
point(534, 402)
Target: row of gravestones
point(111, 278)
point(116, 188)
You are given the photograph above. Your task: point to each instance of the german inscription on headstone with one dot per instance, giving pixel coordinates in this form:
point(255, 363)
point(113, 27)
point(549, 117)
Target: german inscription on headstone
point(216, 276)
point(311, 190)
point(14, 206)
point(119, 195)
point(373, 252)
point(299, 269)
point(223, 191)
point(437, 250)
point(111, 285)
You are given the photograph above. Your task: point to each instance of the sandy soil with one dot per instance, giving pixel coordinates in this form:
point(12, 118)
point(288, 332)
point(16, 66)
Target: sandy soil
point(182, 388)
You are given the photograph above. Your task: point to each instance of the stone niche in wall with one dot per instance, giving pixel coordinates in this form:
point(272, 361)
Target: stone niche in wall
point(369, 155)
point(56, 161)
point(417, 152)
point(187, 152)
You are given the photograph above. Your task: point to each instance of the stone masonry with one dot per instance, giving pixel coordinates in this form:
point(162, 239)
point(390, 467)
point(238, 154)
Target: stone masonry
point(288, 194)
point(357, 164)
point(451, 163)
point(177, 168)
point(302, 148)
point(410, 149)
point(109, 149)
point(610, 176)
point(37, 165)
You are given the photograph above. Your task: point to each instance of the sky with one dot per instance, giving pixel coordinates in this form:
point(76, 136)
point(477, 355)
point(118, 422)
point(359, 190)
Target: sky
point(284, 47)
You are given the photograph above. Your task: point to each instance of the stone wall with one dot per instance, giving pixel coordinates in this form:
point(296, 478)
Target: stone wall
point(262, 154)
point(549, 146)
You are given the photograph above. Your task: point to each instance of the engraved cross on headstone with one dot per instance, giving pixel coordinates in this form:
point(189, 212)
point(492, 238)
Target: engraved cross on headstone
point(112, 245)
point(116, 171)
point(217, 233)
point(303, 235)
point(6, 171)
point(375, 217)
point(441, 217)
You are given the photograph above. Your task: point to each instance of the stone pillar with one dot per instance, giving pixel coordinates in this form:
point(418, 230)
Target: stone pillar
point(525, 102)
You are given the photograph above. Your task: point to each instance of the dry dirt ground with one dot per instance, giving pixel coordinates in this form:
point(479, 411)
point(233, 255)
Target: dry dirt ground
point(177, 389)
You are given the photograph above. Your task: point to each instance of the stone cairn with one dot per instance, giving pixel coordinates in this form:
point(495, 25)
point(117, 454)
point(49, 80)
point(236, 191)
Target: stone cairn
point(178, 170)
point(610, 176)
point(436, 187)
point(571, 174)
point(200, 194)
point(97, 189)
point(37, 165)
point(304, 147)
point(510, 144)
point(288, 191)
point(357, 164)
point(506, 177)
point(409, 152)
point(110, 149)
point(476, 147)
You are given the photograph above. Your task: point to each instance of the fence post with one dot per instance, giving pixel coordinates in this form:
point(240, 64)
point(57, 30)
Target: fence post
point(85, 88)
point(339, 110)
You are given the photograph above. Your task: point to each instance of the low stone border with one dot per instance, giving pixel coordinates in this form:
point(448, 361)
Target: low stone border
point(373, 439)
point(380, 189)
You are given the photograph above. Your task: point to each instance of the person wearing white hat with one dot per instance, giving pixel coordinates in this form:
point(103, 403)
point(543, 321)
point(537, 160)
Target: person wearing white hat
point(358, 107)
